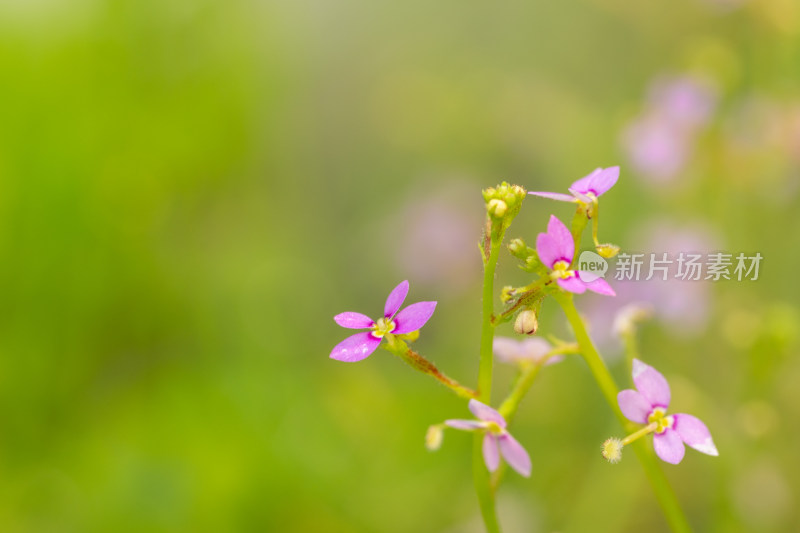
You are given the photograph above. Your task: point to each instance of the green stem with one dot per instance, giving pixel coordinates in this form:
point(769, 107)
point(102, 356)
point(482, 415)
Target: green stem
point(418, 362)
point(480, 474)
point(509, 407)
point(487, 326)
point(483, 486)
point(631, 348)
point(526, 378)
point(664, 493)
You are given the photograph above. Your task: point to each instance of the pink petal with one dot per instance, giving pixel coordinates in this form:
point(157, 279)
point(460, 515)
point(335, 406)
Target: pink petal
point(491, 455)
point(535, 348)
point(515, 455)
point(572, 284)
point(562, 237)
point(466, 425)
point(634, 406)
point(584, 185)
point(580, 196)
point(486, 413)
point(547, 249)
point(651, 384)
point(600, 286)
point(395, 299)
point(555, 196)
point(413, 317)
point(356, 347)
point(669, 446)
point(694, 433)
point(353, 320)
point(603, 181)
point(507, 350)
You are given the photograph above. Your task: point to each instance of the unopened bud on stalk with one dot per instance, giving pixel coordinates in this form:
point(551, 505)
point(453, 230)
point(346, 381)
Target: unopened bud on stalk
point(497, 208)
point(507, 293)
point(516, 246)
point(526, 322)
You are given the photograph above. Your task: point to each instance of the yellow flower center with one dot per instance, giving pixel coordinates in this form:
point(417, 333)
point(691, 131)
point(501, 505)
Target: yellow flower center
point(382, 327)
point(494, 428)
point(659, 417)
point(561, 270)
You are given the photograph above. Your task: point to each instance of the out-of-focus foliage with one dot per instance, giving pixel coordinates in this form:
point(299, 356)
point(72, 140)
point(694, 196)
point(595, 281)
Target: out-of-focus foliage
point(190, 190)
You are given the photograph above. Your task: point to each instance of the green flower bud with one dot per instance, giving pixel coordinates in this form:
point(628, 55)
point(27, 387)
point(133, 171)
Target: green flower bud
point(497, 208)
point(518, 248)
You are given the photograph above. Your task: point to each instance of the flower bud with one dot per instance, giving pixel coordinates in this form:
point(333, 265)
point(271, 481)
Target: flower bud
point(497, 208)
point(489, 193)
point(434, 437)
point(518, 248)
point(526, 322)
point(507, 293)
point(607, 250)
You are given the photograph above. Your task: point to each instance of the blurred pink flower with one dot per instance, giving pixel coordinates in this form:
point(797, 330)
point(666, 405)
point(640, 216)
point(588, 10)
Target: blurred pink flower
point(531, 350)
point(680, 305)
point(435, 241)
point(660, 141)
point(497, 440)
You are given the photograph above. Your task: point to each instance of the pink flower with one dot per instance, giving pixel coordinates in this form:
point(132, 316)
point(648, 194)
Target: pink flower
point(556, 249)
point(497, 440)
point(533, 350)
point(588, 188)
point(361, 345)
point(661, 140)
point(648, 405)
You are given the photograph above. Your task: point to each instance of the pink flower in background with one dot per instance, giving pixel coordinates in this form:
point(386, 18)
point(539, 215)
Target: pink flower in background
point(497, 440)
point(656, 148)
point(434, 241)
point(686, 101)
point(648, 405)
point(682, 305)
point(533, 350)
point(660, 141)
point(361, 345)
point(588, 188)
point(556, 249)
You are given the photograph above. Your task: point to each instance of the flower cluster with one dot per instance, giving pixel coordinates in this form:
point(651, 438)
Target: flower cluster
point(553, 263)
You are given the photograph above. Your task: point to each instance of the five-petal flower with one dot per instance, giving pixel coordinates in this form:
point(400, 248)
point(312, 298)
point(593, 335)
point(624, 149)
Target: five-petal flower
point(361, 345)
point(586, 189)
point(497, 440)
point(648, 405)
point(556, 248)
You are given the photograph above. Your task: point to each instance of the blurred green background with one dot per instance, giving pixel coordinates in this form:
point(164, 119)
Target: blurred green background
point(190, 190)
